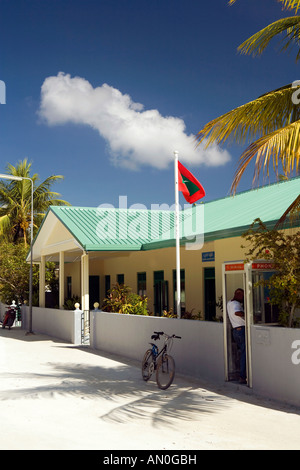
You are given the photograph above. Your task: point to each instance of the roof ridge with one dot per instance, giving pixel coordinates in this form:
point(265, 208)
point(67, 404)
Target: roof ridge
point(260, 188)
point(113, 208)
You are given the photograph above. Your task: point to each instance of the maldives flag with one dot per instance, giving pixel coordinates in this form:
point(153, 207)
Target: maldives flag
point(190, 187)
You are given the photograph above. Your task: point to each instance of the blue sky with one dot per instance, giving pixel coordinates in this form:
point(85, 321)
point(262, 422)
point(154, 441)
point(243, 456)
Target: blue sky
point(103, 91)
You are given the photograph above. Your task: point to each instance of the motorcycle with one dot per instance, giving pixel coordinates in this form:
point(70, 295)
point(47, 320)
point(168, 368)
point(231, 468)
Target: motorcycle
point(9, 318)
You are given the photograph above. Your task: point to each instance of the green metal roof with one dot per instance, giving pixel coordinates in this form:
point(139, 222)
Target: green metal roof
point(231, 216)
point(109, 229)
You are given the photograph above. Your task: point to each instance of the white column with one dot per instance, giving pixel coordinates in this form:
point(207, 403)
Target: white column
point(42, 282)
point(61, 279)
point(85, 281)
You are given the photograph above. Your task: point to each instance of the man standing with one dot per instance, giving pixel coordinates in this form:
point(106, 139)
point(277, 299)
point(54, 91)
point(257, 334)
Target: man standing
point(236, 316)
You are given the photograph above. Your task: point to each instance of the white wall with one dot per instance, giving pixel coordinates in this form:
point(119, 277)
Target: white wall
point(276, 363)
point(2, 310)
point(62, 324)
point(199, 353)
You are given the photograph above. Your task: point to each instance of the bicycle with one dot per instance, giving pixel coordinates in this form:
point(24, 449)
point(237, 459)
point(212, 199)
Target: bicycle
point(159, 361)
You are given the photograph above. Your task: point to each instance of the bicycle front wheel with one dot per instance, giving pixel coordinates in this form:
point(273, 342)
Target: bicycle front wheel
point(147, 365)
point(165, 372)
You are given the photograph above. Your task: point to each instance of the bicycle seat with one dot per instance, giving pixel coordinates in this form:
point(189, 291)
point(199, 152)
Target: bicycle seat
point(155, 337)
point(157, 334)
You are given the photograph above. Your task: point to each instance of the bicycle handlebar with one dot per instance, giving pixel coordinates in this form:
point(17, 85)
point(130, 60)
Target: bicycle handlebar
point(157, 334)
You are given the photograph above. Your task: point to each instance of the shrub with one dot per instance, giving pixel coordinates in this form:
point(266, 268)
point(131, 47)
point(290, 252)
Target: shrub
point(122, 300)
point(284, 251)
point(70, 303)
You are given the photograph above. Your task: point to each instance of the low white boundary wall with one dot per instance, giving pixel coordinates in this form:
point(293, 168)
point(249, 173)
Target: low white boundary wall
point(2, 311)
point(61, 324)
point(276, 363)
point(199, 353)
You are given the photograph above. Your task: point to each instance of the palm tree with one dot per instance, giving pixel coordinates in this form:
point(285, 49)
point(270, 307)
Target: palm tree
point(15, 202)
point(271, 122)
point(292, 211)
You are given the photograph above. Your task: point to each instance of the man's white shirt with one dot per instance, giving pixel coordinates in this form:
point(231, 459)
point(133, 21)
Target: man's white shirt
point(234, 306)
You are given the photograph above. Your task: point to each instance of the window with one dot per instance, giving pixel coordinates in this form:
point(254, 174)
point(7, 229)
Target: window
point(209, 294)
point(141, 284)
point(69, 287)
point(94, 290)
point(161, 293)
point(120, 279)
point(107, 284)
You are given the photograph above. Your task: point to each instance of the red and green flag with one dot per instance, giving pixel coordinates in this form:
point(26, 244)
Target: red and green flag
point(190, 187)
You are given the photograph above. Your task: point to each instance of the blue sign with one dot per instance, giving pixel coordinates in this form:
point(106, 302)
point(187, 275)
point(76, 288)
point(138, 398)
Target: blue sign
point(208, 256)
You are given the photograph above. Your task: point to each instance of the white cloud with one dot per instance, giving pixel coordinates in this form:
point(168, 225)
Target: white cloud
point(135, 136)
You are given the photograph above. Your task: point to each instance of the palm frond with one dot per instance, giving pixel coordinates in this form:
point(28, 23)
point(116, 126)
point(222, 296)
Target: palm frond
point(279, 147)
point(289, 4)
point(286, 4)
point(293, 211)
point(6, 199)
point(4, 223)
point(44, 197)
point(45, 186)
point(15, 200)
point(252, 120)
point(257, 43)
point(22, 168)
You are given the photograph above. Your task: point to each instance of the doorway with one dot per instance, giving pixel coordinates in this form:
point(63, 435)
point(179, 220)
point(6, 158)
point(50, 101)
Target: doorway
point(209, 294)
point(257, 308)
point(161, 293)
point(235, 276)
point(94, 290)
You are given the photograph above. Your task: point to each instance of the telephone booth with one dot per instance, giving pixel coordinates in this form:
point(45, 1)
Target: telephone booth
point(257, 308)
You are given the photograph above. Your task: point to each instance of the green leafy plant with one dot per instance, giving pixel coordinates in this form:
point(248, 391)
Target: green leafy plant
point(14, 273)
point(284, 250)
point(190, 315)
point(187, 315)
point(219, 303)
point(122, 300)
point(15, 202)
point(70, 302)
point(169, 314)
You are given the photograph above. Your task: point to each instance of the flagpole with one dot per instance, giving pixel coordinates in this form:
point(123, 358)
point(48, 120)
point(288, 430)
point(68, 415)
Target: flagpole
point(177, 235)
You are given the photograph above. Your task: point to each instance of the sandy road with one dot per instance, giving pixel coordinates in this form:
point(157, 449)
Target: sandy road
point(56, 396)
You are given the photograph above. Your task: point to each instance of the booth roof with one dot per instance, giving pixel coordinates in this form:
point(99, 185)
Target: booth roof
point(107, 229)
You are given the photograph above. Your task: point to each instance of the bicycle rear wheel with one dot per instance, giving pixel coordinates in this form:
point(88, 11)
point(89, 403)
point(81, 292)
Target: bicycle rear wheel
point(147, 365)
point(165, 372)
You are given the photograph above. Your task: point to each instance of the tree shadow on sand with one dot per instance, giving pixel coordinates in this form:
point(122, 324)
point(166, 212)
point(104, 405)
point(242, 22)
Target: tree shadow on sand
point(129, 397)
